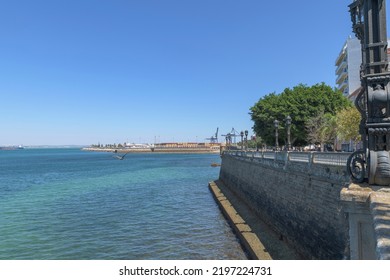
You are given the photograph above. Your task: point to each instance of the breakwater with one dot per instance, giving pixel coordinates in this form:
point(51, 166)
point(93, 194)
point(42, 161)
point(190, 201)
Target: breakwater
point(297, 194)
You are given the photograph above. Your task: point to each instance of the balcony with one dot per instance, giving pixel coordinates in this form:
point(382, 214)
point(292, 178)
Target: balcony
point(342, 77)
point(343, 87)
point(342, 55)
point(342, 67)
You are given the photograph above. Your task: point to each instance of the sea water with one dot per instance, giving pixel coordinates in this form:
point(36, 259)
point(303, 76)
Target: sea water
point(72, 204)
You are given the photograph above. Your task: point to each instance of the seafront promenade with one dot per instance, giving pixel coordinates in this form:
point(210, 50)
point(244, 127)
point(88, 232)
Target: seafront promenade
point(308, 200)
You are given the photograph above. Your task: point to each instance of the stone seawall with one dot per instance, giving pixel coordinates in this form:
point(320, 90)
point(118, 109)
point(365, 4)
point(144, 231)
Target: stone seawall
point(304, 208)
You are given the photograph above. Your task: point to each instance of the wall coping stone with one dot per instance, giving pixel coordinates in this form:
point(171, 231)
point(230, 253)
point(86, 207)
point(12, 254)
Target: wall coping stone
point(375, 201)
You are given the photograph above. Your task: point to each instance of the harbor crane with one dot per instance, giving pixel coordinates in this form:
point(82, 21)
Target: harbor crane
point(214, 138)
point(232, 136)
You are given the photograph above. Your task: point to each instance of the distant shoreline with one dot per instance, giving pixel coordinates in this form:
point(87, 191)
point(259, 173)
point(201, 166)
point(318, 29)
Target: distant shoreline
point(154, 150)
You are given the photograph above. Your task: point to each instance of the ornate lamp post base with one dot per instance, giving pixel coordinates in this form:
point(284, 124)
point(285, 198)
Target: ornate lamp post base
point(372, 164)
point(379, 168)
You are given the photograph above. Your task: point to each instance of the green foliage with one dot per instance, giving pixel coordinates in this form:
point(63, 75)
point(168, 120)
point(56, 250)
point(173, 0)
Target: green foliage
point(321, 129)
point(255, 143)
point(301, 103)
point(348, 121)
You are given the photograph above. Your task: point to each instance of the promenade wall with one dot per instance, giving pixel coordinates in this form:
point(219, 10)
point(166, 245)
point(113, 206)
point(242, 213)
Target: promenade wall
point(296, 195)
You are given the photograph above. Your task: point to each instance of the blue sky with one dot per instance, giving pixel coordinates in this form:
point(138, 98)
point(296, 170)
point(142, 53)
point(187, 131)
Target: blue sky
point(89, 71)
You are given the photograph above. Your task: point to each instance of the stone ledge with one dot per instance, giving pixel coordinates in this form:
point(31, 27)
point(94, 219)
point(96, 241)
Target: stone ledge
point(380, 209)
point(249, 239)
point(375, 201)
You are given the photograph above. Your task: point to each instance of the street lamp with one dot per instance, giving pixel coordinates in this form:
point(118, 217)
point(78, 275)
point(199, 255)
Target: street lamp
point(242, 139)
point(246, 140)
point(228, 140)
point(276, 125)
point(288, 126)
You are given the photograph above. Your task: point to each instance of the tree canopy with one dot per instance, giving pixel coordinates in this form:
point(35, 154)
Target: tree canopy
point(301, 103)
point(348, 121)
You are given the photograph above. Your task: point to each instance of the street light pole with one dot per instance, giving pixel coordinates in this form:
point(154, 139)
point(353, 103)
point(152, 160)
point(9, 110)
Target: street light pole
point(276, 125)
point(246, 140)
point(373, 99)
point(288, 126)
point(242, 140)
point(227, 142)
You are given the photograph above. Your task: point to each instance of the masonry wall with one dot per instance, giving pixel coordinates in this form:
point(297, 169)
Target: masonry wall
point(303, 207)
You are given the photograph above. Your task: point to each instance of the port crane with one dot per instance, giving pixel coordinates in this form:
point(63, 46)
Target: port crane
point(214, 138)
point(231, 136)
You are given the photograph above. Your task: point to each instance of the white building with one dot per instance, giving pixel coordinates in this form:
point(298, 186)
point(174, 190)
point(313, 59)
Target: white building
point(348, 73)
point(348, 67)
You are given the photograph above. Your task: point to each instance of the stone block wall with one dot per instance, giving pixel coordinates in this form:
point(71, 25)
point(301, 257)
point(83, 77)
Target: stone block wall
point(304, 208)
point(368, 208)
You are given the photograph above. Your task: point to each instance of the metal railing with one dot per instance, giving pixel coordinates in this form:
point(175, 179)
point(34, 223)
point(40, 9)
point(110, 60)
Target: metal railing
point(323, 158)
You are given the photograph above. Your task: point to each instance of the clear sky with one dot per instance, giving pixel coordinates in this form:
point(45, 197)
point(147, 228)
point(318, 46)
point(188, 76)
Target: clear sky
point(110, 71)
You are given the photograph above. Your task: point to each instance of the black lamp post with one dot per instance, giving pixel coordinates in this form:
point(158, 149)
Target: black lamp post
point(246, 140)
point(276, 125)
point(373, 99)
point(242, 140)
point(228, 140)
point(288, 126)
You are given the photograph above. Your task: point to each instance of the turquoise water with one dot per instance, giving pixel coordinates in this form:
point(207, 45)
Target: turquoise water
point(71, 204)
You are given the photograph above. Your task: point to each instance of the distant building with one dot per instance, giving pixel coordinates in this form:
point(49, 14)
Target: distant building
point(348, 76)
point(348, 68)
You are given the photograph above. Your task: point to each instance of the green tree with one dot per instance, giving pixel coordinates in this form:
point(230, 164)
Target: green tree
point(321, 129)
point(255, 143)
point(301, 103)
point(348, 121)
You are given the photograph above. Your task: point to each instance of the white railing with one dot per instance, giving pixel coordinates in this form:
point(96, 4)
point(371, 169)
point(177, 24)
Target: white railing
point(323, 158)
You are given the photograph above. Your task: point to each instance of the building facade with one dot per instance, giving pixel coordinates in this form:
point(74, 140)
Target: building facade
point(348, 67)
point(348, 76)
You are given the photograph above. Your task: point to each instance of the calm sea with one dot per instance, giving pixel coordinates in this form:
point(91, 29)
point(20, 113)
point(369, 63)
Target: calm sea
point(72, 204)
